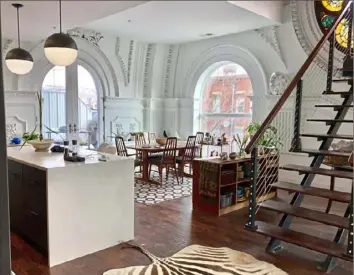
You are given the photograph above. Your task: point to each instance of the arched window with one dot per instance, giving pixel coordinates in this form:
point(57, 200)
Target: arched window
point(224, 95)
point(327, 12)
point(72, 111)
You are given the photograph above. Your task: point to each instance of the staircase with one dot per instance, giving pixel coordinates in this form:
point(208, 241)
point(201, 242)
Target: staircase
point(339, 247)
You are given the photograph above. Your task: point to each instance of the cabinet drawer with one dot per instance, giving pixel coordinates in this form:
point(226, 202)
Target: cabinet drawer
point(14, 168)
point(36, 229)
point(34, 181)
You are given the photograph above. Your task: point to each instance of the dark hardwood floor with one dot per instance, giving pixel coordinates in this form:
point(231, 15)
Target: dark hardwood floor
point(170, 226)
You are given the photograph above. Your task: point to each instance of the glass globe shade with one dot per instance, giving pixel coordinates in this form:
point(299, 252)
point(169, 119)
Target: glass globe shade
point(18, 66)
point(61, 56)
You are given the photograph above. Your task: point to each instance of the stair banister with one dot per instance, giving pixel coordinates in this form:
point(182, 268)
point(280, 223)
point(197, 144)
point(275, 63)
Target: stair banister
point(295, 80)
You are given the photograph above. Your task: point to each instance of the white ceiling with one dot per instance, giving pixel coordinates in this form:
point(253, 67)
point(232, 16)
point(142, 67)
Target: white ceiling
point(180, 21)
point(38, 18)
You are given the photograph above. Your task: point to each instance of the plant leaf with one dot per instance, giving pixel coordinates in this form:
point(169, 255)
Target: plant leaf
point(54, 132)
point(23, 144)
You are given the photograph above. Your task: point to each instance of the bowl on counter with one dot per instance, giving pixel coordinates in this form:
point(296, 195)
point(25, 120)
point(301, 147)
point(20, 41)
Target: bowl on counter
point(161, 141)
point(41, 146)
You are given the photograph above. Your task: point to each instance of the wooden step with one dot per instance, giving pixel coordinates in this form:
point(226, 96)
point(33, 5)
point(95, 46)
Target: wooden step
point(314, 191)
point(313, 152)
point(308, 241)
point(324, 136)
point(305, 213)
point(331, 121)
point(344, 79)
point(335, 107)
point(342, 94)
point(318, 171)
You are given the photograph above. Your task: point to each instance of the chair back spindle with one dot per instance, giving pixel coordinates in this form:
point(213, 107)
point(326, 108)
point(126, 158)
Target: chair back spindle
point(139, 139)
point(199, 137)
point(121, 149)
point(189, 152)
point(152, 138)
point(169, 154)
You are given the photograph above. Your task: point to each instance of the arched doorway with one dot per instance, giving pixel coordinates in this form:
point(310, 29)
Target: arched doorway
point(223, 100)
point(71, 105)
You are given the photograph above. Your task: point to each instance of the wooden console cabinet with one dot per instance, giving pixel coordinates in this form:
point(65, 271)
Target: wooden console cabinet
point(28, 204)
point(213, 178)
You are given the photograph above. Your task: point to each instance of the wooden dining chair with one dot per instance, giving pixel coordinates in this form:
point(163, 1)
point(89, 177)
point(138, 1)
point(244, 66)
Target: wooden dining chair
point(122, 151)
point(199, 142)
point(168, 159)
point(187, 157)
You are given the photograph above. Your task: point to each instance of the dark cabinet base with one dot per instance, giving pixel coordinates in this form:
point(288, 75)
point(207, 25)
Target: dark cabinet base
point(28, 204)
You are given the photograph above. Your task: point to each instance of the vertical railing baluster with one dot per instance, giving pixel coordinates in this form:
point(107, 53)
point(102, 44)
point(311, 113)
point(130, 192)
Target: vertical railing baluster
point(296, 143)
point(350, 232)
point(251, 223)
point(330, 62)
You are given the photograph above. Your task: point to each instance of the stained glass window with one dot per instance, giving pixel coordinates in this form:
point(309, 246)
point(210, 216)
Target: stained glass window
point(327, 12)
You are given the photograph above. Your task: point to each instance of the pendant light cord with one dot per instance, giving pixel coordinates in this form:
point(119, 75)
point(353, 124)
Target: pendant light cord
point(18, 27)
point(60, 16)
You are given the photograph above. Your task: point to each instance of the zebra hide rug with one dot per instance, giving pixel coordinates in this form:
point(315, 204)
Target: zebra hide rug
point(200, 260)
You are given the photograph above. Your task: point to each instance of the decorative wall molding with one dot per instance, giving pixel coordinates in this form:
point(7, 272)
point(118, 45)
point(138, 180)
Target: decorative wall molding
point(95, 60)
point(89, 35)
point(126, 69)
point(149, 57)
point(15, 126)
point(278, 82)
point(271, 38)
point(6, 46)
point(168, 69)
point(309, 33)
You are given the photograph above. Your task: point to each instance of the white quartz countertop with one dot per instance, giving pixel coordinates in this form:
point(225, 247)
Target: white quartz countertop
point(49, 160)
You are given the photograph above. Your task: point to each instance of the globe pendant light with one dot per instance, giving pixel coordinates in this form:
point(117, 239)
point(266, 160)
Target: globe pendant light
point(18, 60)
point(60, 48)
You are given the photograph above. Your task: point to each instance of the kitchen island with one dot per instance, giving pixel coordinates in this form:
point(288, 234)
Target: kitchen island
point(67, 210)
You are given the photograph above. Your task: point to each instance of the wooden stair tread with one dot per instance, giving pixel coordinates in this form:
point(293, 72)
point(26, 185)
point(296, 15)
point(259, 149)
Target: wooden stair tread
point(314, 191)
point(308, 241)
point(334, 106)
point(343, 79)
point(323, 136)
point(318, 171)
point(331, 121)
point(324, 152)
point(305, 213)
point(341, 93)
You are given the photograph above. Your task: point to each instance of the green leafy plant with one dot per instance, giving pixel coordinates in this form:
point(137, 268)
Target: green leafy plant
point(30, 136)
point(33, 135)
point(241, 144)
point(270, 137)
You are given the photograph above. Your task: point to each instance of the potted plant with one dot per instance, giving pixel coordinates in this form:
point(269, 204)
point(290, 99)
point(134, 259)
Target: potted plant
point(269, 141)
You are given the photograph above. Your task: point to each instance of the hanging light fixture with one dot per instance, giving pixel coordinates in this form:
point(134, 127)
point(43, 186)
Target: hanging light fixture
point(18, 60)
point(60, 48)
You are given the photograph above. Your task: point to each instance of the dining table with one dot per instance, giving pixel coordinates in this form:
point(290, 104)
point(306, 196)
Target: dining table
point(147, 149)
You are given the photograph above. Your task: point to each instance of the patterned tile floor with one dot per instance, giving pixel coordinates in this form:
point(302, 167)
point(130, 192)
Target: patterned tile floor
point(149, 194)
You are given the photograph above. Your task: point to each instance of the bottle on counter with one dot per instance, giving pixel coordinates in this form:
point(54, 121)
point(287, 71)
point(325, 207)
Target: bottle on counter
point(74, 149)
point(66, 148)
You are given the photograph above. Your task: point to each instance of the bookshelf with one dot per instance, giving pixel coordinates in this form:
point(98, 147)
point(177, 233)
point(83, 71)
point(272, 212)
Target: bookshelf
point(216, 183)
